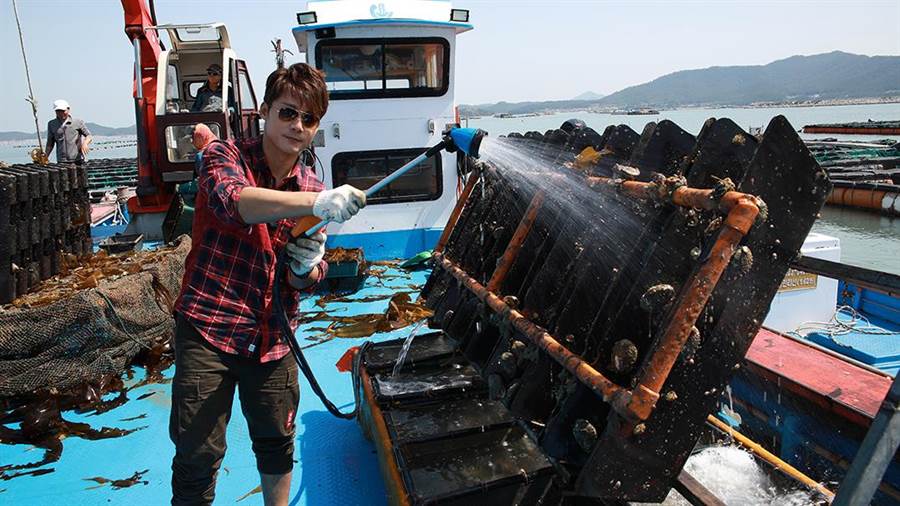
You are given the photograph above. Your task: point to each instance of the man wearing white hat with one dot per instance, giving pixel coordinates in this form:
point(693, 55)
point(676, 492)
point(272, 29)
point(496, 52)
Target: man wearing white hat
point(71, 135)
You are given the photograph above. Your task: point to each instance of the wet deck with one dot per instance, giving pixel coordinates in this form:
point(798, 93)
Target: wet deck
point(335, 464)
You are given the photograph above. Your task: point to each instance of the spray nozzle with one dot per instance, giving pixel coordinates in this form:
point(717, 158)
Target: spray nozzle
point(467, 140)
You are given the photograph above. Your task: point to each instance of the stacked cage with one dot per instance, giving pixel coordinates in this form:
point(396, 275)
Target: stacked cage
point(44, 214)
point(580, 357)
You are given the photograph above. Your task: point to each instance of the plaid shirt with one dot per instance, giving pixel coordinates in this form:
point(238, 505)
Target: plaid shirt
point(226, 292)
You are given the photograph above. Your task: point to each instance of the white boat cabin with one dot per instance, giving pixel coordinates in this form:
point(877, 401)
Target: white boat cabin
point(390, 71)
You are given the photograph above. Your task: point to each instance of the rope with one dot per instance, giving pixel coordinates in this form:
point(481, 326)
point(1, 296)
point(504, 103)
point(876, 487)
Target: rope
point(835, 327)
point(112, 308)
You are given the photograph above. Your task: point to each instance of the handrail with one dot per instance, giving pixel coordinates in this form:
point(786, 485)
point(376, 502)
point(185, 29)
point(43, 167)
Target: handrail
point(867, 278)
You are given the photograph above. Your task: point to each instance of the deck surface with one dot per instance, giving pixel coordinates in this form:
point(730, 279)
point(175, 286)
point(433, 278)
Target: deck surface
point(818, 374)
point(334, 463)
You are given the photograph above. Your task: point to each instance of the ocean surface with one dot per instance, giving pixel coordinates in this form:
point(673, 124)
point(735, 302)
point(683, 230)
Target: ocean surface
point(867, 239)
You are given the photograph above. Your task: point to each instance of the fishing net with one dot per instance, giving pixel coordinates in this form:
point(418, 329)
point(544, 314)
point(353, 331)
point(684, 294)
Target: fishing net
point(82, 334)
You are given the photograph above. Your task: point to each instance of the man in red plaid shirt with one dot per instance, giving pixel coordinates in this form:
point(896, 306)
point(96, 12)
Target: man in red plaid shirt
point(250, 195)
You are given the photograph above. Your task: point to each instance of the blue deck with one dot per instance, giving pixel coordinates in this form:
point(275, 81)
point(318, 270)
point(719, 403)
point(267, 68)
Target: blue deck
point(335, 464)
point(871, 336)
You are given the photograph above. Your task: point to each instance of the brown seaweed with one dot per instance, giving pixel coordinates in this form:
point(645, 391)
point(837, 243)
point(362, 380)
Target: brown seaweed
point(85, 272)
point(43, 426)
point(120, 484)
point(338, 255)
point(248, 494)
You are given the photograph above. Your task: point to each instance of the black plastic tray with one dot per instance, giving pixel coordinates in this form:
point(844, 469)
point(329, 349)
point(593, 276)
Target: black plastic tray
point(122, 243)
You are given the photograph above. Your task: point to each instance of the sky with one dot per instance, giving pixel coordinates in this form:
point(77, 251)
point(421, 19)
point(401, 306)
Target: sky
point(520, 50)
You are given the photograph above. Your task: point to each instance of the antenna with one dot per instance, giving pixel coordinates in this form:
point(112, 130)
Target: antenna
point(279, 53)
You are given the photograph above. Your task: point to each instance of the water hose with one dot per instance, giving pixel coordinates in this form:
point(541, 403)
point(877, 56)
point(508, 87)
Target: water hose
point(467, 140)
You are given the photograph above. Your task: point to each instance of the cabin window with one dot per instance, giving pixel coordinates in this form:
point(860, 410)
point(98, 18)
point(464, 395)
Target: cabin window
point(248, 99)
point(197, 34)
point(179, 145)
point(362, 169)
point(193, 87)
point(385, 68)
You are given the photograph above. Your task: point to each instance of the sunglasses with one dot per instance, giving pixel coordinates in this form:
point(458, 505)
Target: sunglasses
point(213, 73)
point(290, 114)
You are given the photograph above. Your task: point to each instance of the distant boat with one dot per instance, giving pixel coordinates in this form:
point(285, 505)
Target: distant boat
point(636, 112)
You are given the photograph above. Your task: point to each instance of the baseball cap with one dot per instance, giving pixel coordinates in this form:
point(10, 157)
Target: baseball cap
point(215, 67)
point(60, 105)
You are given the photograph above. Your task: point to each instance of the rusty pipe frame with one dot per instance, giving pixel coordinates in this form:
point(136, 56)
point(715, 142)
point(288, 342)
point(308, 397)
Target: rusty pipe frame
point(642, 399)
point(457, 210)
point(590, 377)
point(515, 244)
point(636, 405)
point(680, 195)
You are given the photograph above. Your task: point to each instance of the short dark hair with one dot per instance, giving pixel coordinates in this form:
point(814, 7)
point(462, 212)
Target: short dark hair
point(300, 79)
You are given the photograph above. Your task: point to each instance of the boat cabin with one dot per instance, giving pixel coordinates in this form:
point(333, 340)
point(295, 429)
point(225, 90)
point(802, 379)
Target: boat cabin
point(230, 113)
point(390, 70)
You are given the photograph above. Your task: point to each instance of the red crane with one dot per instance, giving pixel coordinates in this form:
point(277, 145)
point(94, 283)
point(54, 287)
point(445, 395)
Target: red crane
point(152, 194)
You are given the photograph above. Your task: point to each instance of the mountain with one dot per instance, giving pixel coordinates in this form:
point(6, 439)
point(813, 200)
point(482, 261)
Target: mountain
point(817, 78)
point(835, 75)
point(98, 130)
point(105, 130)
point(589, 95)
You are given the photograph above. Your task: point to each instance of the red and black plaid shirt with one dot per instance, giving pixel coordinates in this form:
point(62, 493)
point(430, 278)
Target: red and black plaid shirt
point(226, 292)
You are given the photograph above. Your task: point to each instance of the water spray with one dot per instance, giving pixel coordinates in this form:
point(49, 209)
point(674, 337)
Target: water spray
point(467, 140)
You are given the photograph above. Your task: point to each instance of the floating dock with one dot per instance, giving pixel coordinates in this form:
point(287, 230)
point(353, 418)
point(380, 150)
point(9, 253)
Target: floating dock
point(856, 128)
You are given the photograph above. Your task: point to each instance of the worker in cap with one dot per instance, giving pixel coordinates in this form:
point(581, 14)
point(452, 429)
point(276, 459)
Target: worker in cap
point(209, 96)
point(69, 135)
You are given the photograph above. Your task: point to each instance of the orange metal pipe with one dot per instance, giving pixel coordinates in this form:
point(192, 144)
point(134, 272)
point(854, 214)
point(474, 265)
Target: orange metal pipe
point(515, 244)
point(682, 196)
point(589, 376)
point(699, 288)
point(457, 210)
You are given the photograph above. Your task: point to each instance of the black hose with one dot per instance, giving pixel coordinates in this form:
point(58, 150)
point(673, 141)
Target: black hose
point(288, 333)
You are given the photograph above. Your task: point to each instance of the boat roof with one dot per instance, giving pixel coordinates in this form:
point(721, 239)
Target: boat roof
point(335, 14)
point(335, 464)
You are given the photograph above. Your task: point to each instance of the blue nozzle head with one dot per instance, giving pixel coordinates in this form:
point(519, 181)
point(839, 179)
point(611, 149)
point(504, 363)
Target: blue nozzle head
point(467, 140)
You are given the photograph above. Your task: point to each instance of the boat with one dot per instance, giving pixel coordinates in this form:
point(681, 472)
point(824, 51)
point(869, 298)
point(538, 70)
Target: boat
point(336, 464)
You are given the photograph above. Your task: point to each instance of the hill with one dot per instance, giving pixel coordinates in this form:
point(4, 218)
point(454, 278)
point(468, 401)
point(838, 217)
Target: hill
point(98, 130)
point(589, 95)
point(834, 76)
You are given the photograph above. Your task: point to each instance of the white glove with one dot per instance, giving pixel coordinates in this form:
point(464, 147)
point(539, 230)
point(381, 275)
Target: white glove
point(305, 253)
point(340, 204)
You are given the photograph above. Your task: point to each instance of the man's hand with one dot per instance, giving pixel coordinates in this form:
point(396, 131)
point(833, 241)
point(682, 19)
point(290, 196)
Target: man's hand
point(340, 204)
point(86, 144)
point(305, 253)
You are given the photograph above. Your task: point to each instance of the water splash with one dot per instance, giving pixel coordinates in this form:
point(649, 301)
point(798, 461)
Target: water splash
point(610, 222)
point(735, 477)
point(405, 349)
